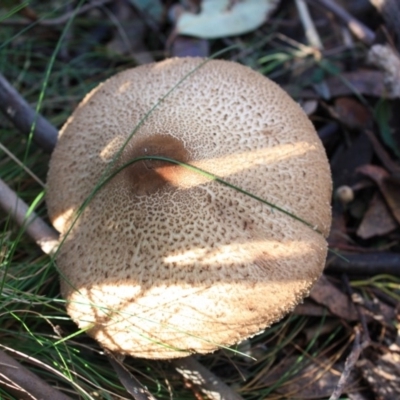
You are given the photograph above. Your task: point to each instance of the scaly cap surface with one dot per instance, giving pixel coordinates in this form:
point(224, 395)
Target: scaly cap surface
point(163, 261)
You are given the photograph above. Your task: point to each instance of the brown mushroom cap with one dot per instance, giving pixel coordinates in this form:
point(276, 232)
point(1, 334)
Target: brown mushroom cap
point(163, 261)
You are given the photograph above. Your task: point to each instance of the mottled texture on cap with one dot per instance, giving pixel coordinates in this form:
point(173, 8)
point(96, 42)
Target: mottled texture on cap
point(163, 261)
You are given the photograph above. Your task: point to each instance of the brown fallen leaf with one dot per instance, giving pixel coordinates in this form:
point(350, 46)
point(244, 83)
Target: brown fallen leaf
point(351, 113)
point(389, 186)
point(315, 329)
point(309, 308)
point(378, 220)
point(324, 292)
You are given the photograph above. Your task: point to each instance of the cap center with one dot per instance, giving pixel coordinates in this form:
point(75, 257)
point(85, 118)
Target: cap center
point(149, 175)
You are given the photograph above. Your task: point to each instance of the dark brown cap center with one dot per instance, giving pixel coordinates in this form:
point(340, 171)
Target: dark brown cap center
point(149, 175)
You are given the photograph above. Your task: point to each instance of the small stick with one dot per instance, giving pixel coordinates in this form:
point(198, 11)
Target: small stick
point(45, 237)
point(308, 25)
point(23, 383)
point(358, 29)
point(370, 263)
point(208, 383)
point(349, 364)
point(357, 348)
point(22, 165)
point(361, 315)
point(22, 115)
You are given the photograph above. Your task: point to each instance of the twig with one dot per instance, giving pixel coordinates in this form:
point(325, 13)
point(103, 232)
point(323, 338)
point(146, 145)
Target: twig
point(349, 364)
point(22, 115)
point(21, 164)
point(361, 315)
point(358, 29)
point(131, 384)
point(24, 383)
point(371, 263)
point(308, 25)
point(208, 383)
point(56, 21)
point(45, 237)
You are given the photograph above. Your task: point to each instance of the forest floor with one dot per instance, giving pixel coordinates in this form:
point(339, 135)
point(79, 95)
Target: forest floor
point(340, 61)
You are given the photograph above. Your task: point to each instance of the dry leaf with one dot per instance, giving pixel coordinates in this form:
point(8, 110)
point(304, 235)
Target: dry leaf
point(309, 308)
point(389, 187)
point(351, 113)
point(377, 220)
point(324, 292)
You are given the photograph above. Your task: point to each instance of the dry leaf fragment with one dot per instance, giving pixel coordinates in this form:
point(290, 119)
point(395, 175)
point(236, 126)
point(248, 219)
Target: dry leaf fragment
point(377, 220)
point(324, 292)
point(351, 113)
point(389, 186)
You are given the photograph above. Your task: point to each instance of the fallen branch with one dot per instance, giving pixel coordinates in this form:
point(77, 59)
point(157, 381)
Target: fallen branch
point(44, 236)
point(349, 364)
point(23, 383)
point(23, 116)
point(370, 263)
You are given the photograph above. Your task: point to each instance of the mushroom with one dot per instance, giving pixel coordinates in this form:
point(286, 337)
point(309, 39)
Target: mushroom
point(163, 261)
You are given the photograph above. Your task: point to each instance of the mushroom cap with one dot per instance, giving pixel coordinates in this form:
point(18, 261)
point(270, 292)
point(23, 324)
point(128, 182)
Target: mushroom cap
point(163, 261)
